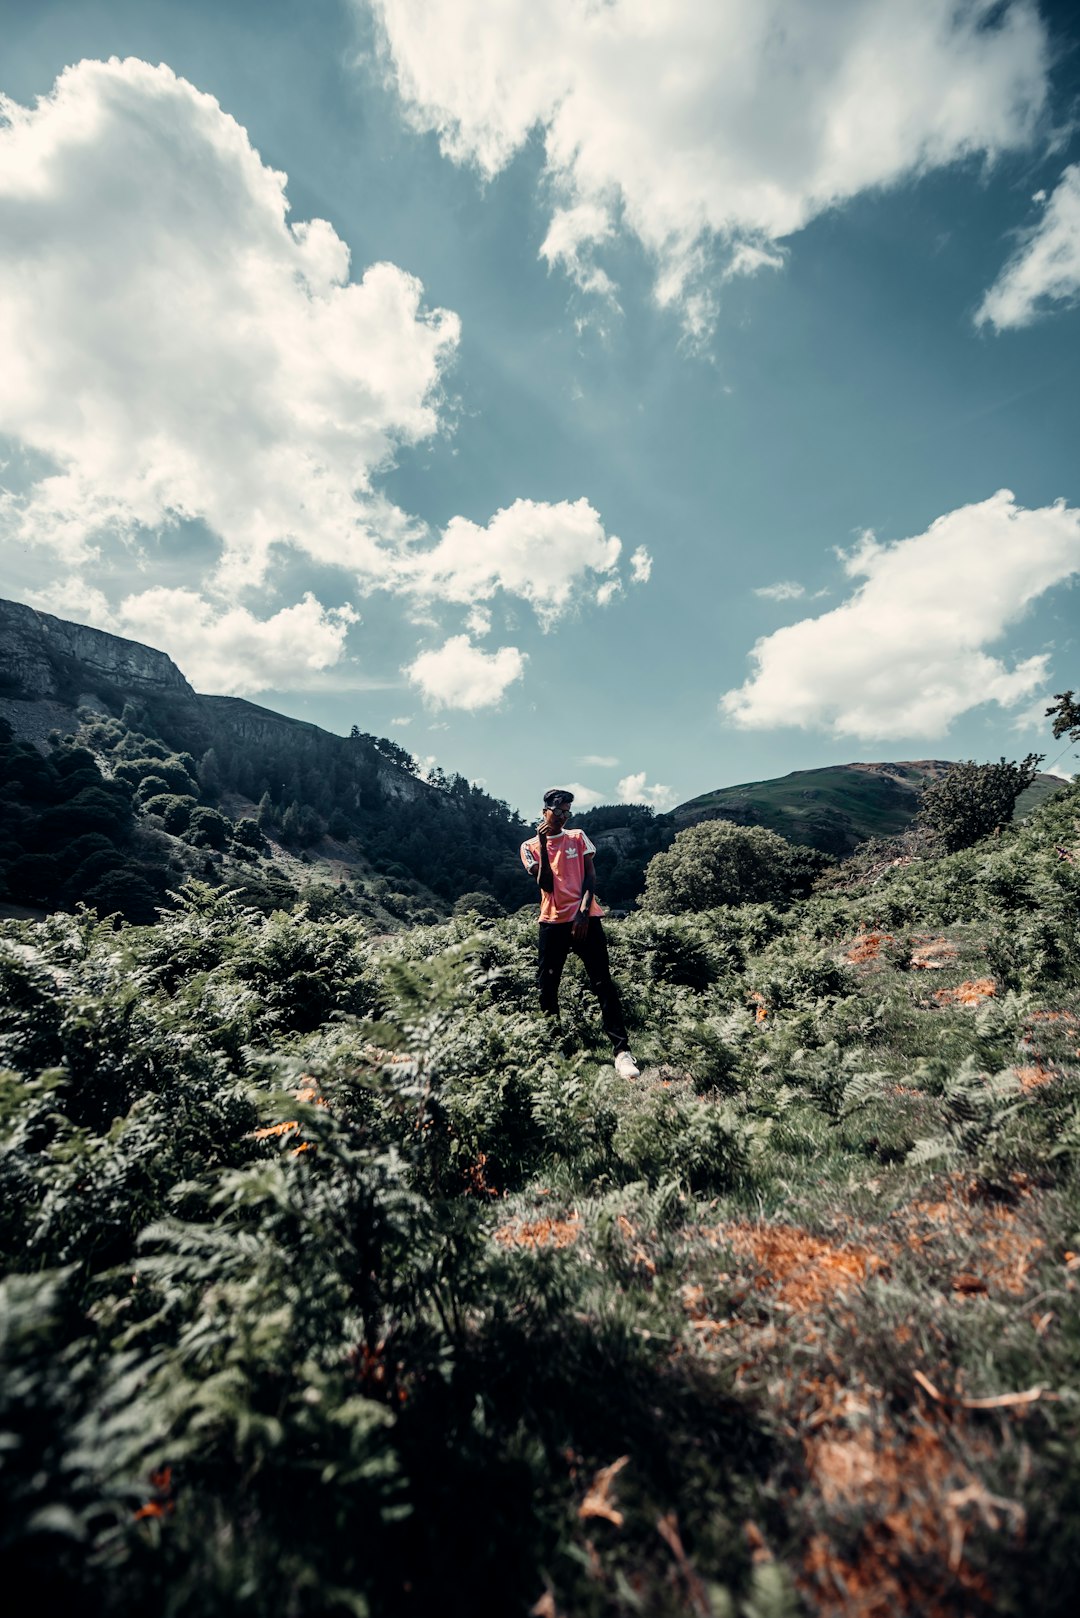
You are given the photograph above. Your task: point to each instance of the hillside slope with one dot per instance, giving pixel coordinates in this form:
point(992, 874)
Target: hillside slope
point(837, 806)
point(342, 813)
point(336, 1278)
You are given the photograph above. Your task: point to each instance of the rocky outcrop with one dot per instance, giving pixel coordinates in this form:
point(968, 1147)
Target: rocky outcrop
point(42, 657)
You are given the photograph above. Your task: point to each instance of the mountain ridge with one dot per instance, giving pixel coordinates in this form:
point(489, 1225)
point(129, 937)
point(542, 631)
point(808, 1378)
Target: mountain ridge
point(354, 809)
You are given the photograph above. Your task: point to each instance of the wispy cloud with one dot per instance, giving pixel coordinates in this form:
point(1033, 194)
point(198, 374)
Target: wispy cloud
point(1046, 268)
point(784, 590)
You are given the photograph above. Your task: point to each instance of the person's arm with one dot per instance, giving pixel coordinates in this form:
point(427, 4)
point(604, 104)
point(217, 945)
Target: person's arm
point(588, 889)
point(545, 876)
point(539, 868)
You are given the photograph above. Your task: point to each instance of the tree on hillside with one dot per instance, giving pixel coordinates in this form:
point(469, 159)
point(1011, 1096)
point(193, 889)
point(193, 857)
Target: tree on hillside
point(483, 904)
point(1065, 712)
point(971, 800)
point(718, 863)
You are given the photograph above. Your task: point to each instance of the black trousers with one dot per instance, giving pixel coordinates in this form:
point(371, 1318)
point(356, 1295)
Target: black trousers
point(556, 942)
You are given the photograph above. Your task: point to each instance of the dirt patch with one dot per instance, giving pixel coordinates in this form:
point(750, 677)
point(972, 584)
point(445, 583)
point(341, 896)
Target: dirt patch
point(1034, 1077)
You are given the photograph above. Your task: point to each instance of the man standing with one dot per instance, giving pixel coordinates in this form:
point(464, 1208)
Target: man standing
point(562, 863)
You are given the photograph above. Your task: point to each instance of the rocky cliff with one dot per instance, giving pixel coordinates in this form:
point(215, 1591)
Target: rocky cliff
point(49, 668)
point(47, 658)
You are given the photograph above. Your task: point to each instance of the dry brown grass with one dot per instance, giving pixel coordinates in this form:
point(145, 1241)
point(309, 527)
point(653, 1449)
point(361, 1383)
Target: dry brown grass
point(867, 947)
point(890, 1497)
point(972, 992)
point(540, 1232)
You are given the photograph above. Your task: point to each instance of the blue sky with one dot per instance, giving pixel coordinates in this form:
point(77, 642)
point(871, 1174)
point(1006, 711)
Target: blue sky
point(778, 297)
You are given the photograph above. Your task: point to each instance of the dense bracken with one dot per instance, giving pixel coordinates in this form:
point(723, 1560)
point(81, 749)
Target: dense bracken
point(338, 1282)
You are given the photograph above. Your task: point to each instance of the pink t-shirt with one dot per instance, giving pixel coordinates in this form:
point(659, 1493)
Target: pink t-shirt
point(566, 856)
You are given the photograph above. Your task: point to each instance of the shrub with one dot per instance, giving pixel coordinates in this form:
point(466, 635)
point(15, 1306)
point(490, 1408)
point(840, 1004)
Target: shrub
point(718, 863)
point(208, 829)
point(157, 775)
point(173, 812)
point(480, 904)
point(248, 834)
point(125, 892)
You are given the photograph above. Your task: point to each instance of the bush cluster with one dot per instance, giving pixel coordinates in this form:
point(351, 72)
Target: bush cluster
point(338, 1281)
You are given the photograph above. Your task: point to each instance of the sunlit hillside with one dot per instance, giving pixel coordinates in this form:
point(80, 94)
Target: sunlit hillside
point(339, 1283)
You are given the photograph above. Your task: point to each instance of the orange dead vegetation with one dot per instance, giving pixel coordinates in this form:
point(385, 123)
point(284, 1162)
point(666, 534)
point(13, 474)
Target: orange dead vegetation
point(598, 1502)
point(868, 947)
point(890, 1498)
point(970, 993)
point(805, 1270)
point(629, 1233)
point(477, 1183)
point(540, 1232)
point(918, 1501)
point(1033, 1078)
point(1002, 1241)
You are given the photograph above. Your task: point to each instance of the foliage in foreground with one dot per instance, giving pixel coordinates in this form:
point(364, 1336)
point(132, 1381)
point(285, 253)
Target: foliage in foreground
point(338, 1283)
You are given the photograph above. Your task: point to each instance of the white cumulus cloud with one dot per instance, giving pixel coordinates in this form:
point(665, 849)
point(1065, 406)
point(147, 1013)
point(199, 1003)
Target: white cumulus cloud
point(727, 125)
point(461, 675)
point(1046, 268)
point(225, 650)
point(605, 761)
point(537, 550)
point(229, 650)
point(632, 789)
point(176, 348)
point(641, 565)
point(907, 652)
point(584, 797)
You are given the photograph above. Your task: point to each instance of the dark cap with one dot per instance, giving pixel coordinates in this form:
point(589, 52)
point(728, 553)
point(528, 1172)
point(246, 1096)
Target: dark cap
point(557, 792)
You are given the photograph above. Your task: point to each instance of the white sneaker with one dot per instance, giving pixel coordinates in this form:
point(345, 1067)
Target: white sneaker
point(626, 1067)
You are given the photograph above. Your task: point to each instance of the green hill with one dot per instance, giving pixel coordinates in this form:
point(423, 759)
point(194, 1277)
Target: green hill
point(834, 809)
point(837, 806)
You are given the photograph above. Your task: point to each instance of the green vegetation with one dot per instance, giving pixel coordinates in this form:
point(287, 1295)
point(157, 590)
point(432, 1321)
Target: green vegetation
point(717, 863)
point(66, 834)
point(838, 807)
point(338, 1282)
point(832, 808)
point(973, 800)
point(300, 786)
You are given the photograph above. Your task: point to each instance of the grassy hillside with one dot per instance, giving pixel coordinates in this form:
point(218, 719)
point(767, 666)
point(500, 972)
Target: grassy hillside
point(339, 1283)
point(832, 809)
point(838, 806)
